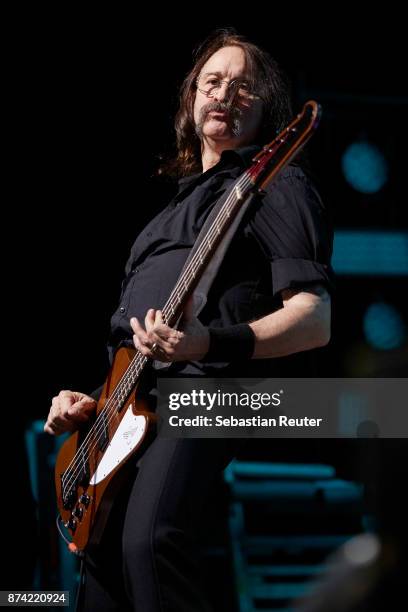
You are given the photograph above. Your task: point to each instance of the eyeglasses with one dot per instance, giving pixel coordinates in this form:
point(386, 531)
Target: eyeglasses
point(210, 86)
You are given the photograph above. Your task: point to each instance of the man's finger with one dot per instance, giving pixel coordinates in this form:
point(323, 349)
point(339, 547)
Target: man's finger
point(85, 407)
point(135, 325)
point(158, 320)
point(142, 347)
point(65, 404)
point(140, 333)
point(150, 319)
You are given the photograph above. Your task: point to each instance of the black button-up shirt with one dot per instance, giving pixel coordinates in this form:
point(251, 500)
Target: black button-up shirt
point(284, 241)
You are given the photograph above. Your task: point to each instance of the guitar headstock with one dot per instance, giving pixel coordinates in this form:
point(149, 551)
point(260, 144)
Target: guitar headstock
point(285, 146)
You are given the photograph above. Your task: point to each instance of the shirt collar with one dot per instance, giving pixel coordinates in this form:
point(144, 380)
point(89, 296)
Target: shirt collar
point(242, 155)
point(245, 155)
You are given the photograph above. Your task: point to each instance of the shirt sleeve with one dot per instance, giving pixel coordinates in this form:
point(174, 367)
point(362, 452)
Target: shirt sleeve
point(290, 224)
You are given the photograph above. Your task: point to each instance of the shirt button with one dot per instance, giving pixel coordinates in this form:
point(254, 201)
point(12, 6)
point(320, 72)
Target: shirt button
point(122, 309)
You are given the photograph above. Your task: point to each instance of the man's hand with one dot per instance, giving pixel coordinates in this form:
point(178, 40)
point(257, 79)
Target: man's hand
point(170, 344)
point(68, 410)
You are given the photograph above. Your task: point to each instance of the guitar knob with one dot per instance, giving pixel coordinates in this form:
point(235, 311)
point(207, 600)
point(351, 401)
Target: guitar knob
point(78, 512)
point(85, 499)
point(71, 524)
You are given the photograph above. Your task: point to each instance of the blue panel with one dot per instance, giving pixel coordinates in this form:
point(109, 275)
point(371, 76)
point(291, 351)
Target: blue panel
point(370, 253)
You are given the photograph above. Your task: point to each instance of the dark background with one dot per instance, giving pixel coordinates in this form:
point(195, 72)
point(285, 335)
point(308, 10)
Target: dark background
point(98, 96)
point(93, 97)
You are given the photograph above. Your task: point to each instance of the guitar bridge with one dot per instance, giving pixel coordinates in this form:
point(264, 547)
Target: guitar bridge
point(69, 498)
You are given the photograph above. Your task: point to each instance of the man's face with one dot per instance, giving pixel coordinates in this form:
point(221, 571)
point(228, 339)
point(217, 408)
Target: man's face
point(226, 117)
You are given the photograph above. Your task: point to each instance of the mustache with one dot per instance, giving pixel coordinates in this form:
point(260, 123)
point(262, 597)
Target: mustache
point(234, 116)
point(217, 107)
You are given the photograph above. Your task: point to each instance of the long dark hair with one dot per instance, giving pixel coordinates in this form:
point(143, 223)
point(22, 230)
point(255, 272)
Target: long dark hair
point(266, 78)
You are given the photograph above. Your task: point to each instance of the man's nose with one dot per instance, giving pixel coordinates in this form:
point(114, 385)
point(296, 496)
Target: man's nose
point(223, 92)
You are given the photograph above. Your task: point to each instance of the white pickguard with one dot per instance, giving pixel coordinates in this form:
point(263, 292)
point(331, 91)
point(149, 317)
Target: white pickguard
point(128, 435)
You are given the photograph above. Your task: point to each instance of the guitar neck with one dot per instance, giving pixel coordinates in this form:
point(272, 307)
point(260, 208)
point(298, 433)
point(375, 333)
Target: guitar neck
point(266, 165)
point(195, 268)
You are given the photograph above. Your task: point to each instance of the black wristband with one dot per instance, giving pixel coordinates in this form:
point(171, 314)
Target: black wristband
point(233, 343)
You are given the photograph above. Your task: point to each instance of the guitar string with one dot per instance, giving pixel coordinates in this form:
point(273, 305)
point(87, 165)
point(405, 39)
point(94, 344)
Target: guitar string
point(102, 423)
point(225, 212)
point(243, 182)
point(95, 430)
point(246, 180)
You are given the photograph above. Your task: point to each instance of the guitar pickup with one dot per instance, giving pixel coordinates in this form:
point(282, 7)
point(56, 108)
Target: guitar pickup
point(83, 477)
point(103, 437)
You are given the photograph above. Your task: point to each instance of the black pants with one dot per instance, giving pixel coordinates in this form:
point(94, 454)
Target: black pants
point(146, 558)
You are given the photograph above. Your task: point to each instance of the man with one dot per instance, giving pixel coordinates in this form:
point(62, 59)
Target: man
point(267, 308)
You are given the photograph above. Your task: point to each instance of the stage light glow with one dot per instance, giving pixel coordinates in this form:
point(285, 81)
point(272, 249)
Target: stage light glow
point(383, 326)
point(365, 167)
